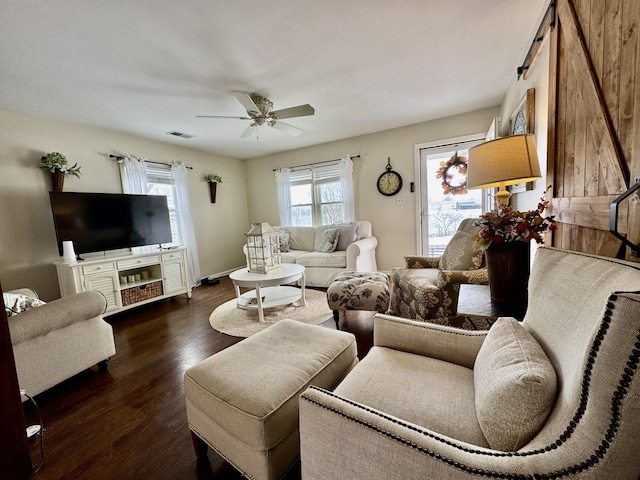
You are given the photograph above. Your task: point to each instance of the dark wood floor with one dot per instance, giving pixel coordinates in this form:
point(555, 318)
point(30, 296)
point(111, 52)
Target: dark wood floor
point(130, 423)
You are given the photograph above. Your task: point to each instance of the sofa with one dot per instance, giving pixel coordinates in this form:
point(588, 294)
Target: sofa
point(57, 340)
point(554, 396)
point(355, 251)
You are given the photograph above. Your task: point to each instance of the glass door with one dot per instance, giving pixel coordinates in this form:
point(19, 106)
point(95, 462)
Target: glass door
point(445, 201)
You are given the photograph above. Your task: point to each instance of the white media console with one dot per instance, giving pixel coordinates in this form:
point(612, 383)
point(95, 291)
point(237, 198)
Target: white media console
point(128, 280)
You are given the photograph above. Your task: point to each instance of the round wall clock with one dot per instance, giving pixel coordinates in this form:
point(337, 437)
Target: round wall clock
point(389, 182)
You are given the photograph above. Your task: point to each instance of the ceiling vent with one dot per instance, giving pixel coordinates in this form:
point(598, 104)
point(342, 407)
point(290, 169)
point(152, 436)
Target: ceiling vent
point(180, 134)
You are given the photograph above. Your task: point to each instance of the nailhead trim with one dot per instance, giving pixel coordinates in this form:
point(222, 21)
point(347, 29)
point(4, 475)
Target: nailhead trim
point(594, 459)
point(433, 326)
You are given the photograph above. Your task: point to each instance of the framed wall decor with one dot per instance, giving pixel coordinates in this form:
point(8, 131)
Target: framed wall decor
point(522, 120)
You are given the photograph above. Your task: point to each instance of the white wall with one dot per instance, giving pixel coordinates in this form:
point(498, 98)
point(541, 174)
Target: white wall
point(538, 78)
point(27, 240)
point(394, 225)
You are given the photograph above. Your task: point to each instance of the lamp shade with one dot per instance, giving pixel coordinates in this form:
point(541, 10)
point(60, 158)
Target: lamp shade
point(504, 161)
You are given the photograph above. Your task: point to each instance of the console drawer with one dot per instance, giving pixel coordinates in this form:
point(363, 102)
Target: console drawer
point(98, 268)
point(171, 256)
point(138, 262)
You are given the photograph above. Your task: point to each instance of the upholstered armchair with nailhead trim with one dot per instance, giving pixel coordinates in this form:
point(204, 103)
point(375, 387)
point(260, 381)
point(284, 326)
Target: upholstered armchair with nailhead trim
point(427, 288)
point(556, 396)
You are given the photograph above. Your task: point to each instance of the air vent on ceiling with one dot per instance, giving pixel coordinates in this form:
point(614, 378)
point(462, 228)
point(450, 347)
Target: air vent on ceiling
point(180, 134)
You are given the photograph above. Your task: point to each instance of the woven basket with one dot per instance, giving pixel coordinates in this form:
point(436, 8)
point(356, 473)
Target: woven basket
point(141, 293)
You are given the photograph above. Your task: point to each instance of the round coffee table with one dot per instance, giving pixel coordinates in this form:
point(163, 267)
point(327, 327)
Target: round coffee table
point(269, 290)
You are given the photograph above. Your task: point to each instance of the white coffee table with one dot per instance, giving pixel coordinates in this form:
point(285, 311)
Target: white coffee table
point(269, 290)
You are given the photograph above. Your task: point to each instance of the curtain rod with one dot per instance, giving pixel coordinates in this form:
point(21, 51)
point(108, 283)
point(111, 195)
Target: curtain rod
point(316, 163)
point(118, 158)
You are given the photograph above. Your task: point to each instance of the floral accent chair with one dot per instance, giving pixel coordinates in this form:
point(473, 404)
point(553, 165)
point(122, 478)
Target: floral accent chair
point(427, 288)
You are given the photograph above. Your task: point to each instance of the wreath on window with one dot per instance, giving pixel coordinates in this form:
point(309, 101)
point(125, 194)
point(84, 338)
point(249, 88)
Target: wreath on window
point(454, 170)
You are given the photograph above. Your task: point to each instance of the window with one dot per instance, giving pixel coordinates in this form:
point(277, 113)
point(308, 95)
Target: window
point(160, 181)
point(316, 196)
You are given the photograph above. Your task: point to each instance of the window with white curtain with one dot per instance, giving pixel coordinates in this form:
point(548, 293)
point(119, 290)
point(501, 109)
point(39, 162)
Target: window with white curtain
point(160, 181)
point(316, 196)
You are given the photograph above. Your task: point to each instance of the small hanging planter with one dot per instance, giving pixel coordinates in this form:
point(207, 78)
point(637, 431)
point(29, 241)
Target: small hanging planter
point(212, 191)
point(213, 180)
point(56, 163)
point(57, 180)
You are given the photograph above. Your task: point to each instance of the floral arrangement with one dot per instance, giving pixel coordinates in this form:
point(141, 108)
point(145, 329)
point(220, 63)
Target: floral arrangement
point(56, 161)
point(212, 177)
point(459, 162)
point(508, 225)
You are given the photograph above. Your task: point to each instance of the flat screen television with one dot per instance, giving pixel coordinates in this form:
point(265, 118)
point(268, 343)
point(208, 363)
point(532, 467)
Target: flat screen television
point(97, 222)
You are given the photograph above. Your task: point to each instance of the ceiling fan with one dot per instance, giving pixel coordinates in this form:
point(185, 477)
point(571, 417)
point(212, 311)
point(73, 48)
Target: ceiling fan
point(259, 112)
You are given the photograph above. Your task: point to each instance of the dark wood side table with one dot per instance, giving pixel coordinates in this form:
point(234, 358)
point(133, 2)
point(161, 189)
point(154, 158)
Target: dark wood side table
point(476, 300)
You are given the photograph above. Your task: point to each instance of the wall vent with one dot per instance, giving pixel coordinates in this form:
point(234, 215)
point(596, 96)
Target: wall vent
point(180, 134)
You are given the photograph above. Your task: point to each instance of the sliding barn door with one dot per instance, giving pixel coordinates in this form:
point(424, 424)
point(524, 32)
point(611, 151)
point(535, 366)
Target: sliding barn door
point(594, 124)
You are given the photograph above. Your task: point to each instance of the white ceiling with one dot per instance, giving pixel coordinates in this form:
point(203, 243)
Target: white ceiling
point(146, 67)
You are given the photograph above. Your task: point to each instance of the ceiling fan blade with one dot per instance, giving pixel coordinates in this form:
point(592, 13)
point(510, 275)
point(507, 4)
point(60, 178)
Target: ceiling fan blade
point(286, 128)
point(248, 131)
point(299, 111)
point(222, 116)
point(247, 102)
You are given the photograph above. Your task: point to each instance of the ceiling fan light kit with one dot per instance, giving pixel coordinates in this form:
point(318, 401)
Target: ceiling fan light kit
point(259, 111)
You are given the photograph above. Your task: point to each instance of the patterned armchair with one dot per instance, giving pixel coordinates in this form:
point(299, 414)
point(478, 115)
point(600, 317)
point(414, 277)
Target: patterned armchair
point(427, 288)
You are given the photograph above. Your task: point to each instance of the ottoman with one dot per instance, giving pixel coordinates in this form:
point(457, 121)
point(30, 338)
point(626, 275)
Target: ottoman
point(358, 291)
point(243, 401)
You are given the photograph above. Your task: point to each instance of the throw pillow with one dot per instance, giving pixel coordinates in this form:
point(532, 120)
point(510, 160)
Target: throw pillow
point(15, 303)
point(349, 233)
point(284, 238)
point(461, 253)
point(329, 240)
point(515, 386)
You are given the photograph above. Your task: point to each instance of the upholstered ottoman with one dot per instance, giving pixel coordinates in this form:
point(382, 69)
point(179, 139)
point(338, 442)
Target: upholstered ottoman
point(358, 291)
point(243, 401)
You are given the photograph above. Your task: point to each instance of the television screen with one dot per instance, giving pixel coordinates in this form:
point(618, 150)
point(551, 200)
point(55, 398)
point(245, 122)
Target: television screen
point(97, 222)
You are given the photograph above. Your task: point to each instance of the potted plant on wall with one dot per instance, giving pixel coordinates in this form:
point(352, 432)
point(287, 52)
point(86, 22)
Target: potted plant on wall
point(56, 163)
point(213, 180)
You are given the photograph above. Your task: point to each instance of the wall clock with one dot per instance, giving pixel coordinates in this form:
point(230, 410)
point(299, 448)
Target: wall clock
point(389, 182)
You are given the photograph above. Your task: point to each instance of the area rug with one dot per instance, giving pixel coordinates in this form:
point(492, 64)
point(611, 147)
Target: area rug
point(239, 322)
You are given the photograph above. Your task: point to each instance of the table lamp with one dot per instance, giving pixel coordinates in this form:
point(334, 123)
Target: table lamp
point(501, 162)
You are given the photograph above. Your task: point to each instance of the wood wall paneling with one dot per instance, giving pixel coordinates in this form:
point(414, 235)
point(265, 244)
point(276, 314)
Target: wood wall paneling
point(594, 121)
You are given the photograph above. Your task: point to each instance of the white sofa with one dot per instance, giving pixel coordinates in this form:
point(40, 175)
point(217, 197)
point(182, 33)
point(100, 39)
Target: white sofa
point(322, 268)
point(54, 342)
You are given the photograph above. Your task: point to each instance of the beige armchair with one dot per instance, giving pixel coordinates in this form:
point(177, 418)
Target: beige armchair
point(57, 340)
point(427, 288)
point(553, 397)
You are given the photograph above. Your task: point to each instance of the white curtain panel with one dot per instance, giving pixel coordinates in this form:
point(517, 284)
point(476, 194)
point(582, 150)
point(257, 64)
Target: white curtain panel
point(348, 194)
point(187, 231)
point(283, 179)
point(133, 175)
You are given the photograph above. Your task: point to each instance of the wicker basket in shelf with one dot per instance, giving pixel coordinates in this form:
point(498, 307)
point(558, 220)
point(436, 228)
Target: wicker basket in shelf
point(141, 293)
